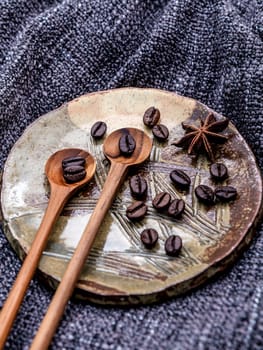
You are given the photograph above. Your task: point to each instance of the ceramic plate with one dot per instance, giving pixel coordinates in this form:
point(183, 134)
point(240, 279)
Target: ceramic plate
point(119, 269)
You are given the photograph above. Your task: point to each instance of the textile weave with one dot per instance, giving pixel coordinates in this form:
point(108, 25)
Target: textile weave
point(53, 51)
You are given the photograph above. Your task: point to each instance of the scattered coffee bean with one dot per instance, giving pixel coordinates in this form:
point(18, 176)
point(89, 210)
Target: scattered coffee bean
point(136, 211)
point(176, 208)
point(225, 193)
point(161, 201)
point(151, 116)
point(149, 237)
point(173, 245)
point(180, 178)
point(98, 130)
point(138, 186)
point(127, 144)
point(73, 161)
point(161, 132)
point(205, 194)
point(218, 171)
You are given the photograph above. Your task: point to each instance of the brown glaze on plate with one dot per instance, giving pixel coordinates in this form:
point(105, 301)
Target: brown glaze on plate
point(119, 269)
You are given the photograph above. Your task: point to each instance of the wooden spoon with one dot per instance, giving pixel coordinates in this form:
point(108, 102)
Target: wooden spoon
point(118, 170)
point(60, 193)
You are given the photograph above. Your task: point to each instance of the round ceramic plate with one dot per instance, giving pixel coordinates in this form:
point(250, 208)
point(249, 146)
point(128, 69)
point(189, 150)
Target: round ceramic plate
point(119, 269)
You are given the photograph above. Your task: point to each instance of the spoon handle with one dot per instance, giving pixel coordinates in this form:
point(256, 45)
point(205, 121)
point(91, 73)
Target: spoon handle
point(66, 287)
point(11, 306)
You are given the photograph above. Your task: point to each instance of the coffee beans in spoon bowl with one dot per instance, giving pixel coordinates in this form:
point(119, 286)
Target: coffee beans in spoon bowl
point(121, 270)
point(74, 169)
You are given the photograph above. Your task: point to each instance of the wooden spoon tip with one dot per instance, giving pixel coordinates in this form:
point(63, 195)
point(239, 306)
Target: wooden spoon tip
point(54, 171)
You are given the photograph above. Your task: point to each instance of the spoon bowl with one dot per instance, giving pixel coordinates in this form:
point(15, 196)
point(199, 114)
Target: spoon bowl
point(140, 154)
point(54, 171)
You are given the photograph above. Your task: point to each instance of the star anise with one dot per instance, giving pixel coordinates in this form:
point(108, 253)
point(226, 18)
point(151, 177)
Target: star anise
point(198, 138)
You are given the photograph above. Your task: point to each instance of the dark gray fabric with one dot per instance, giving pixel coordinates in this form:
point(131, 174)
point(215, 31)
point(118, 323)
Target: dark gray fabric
point(52, 51)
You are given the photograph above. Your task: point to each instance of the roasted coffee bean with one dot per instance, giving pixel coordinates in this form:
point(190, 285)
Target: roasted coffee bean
point(218, 171)
point(176, 208)
point(173, 245)
point(74, 177)
point(205, 194)
point(180, 178)
point(161, 132)
point(70, 161)
point(151, 116)
point(149, 237)
point(73, 169)
point(161, 201)
point(127, 144)
point(136, 211)
point(138, 186)
point(73, 173)
point(225, 193)
point(98, 130)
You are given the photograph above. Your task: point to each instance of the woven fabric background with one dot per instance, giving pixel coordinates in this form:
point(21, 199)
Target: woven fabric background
point(52, 51)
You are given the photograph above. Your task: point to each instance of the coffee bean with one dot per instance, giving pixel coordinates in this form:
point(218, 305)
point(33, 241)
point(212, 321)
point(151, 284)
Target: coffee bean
point(98, 129)
point(180, 178)
point(136, 211)
point(176, 208)
point(75, 177)
point(73, 169)
point(161, 201)
point(138, 186)
point(173, 245)
point(151, 116)
point(205, 194)
point(225, 193)
point(127, 144)
point(149, 237)
point(161, 132)
point(218, 171)
point(73, 161)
